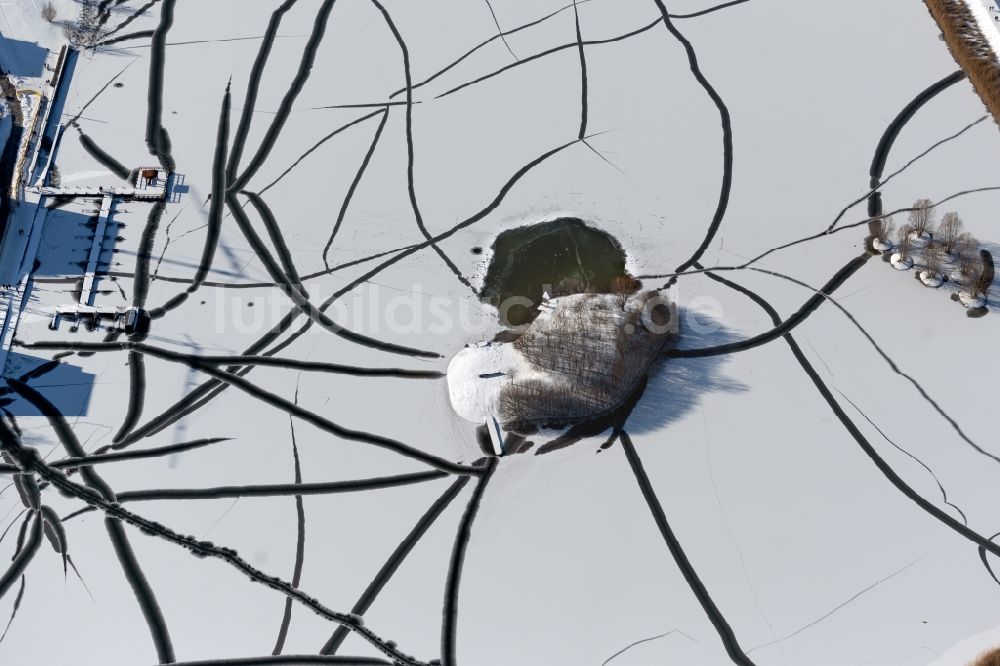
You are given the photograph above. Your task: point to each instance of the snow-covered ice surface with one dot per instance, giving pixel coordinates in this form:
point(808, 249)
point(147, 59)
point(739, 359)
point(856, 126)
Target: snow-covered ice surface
point(813, 549)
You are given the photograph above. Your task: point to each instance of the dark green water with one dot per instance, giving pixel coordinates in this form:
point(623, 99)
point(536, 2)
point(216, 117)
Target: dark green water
point(563, 256)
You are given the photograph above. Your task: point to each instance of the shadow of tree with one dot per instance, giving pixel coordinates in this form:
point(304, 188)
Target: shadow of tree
point(677, 385)
point(993, 297)
point(674, 388)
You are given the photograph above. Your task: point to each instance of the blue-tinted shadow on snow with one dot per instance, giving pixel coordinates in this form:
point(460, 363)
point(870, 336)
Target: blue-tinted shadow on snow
point(993, 297)
point(68, 239)
point(677, 385)
point(65, 386)
point(20, 58)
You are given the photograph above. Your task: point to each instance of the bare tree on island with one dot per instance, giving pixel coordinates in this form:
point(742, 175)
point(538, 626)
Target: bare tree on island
point(973, 290)
point(622, 287)
point(949, 232)
point(933, 259)
point(882, 229)
point(967, 254)
point(49, 12)
point(922, 218)
point(978, 281)
point(904, 247)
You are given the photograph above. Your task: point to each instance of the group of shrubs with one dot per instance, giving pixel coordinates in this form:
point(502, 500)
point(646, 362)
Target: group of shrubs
point(941, 252)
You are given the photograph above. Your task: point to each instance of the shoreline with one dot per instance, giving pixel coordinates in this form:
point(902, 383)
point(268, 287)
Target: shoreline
point(974, 42)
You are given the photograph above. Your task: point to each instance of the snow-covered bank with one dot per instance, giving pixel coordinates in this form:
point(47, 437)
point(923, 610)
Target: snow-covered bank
point(974, 41)
point(476, 375)
point(967, 650)
point(987, 23)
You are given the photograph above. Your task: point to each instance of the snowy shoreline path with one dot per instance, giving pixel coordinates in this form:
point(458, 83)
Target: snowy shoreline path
point(987, 13)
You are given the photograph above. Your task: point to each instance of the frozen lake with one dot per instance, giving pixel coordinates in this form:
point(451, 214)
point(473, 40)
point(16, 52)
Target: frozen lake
point(810, 475)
